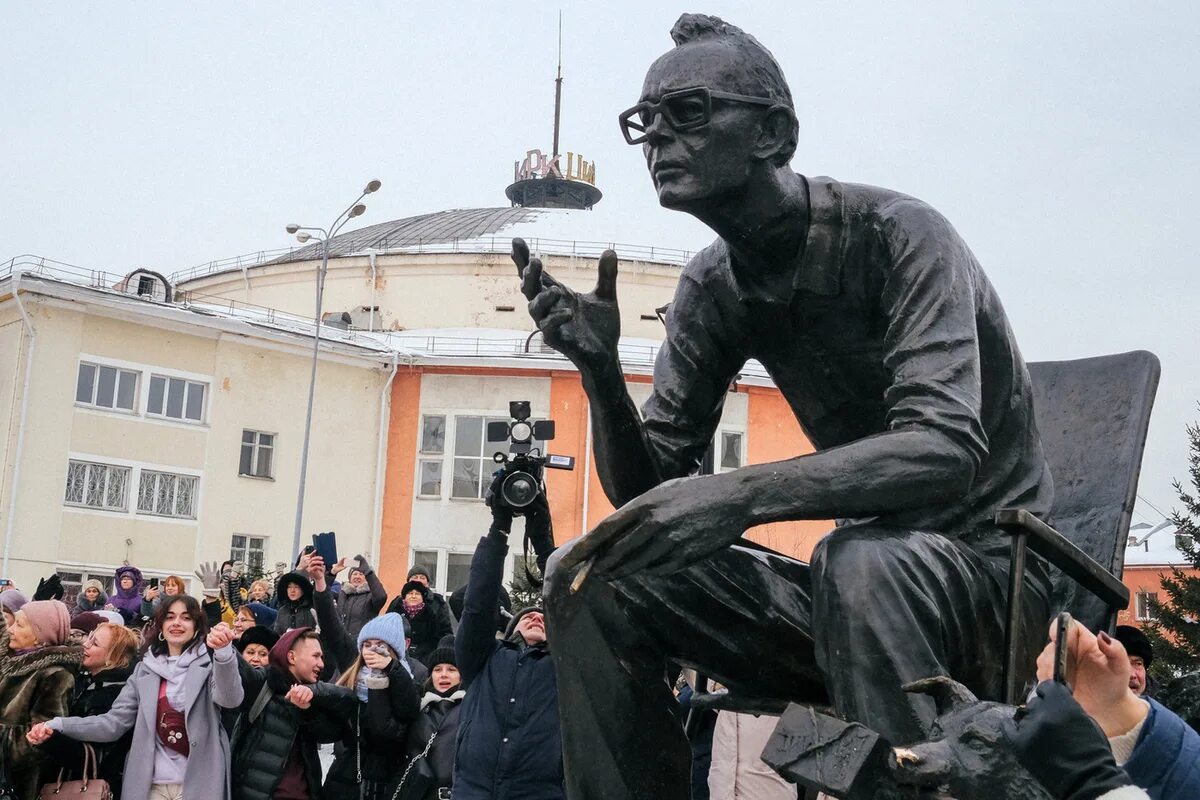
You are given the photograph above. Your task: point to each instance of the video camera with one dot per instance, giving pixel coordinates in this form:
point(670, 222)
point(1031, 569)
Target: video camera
point(524, 464)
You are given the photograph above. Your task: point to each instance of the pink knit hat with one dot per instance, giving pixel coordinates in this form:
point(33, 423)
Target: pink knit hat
point(49, 619)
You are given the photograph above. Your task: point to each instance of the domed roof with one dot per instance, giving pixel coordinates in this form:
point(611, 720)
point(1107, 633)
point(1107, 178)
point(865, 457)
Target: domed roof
point(490, 230)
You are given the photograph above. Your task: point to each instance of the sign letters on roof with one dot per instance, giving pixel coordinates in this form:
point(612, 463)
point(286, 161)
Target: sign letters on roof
point(538, 165)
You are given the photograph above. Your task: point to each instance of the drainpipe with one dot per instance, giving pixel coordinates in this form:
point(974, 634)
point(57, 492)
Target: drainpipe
point(16, 479)
point(587, 470)
point(371, 319)
point(385, 405)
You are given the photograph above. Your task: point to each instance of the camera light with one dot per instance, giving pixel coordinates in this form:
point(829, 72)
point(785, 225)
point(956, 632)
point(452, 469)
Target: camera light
point(522, 432)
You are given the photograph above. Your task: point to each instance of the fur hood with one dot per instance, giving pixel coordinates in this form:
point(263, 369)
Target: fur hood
point(15, 665)
point(306, 591)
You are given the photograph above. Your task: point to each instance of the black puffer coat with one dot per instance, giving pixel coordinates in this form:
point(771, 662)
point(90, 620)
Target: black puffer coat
point(437, 714)
point(262, 747)
point(294, 613)
point(92, 695)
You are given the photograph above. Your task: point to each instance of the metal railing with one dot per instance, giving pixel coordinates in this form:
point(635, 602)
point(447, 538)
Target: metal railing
point(409, 245)
point(634, 354)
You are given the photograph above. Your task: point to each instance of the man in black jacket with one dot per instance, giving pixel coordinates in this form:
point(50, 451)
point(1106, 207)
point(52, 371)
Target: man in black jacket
point(288, 712)
point(509, 746)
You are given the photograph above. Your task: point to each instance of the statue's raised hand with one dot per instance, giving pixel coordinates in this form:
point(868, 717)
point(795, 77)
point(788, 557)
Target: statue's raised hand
point(583, 327)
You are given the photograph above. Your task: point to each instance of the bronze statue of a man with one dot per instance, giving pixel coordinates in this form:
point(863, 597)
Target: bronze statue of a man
point(879, 327)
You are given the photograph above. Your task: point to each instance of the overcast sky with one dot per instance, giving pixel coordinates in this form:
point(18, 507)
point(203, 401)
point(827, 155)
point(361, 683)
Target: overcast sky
point(1059, 138)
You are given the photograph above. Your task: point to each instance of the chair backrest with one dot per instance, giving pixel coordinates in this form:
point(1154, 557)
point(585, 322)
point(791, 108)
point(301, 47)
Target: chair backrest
point(1093, 414)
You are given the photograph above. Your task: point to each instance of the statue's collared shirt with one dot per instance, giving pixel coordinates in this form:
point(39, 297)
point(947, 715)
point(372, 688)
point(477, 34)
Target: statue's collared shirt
point(891, 324)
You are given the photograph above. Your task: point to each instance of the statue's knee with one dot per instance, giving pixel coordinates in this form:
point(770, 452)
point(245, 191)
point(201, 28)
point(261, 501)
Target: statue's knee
point(860, 554)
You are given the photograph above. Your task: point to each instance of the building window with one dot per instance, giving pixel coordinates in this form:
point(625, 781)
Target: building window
point(97, 485)
point(176, 398)
point(250, 550)
point(458, 570)
point(1144, 605)
point(433, 443)
point(106, 387)
point(429, 560)
point(258, 453)
point(166, 494)
point(473, 455)
point(731, 451)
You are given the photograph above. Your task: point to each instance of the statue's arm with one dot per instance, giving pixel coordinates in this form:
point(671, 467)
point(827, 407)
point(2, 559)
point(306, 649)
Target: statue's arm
point(692, 373)
point(934, 439)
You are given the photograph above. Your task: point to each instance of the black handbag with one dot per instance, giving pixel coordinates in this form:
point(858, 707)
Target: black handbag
point(418, 777)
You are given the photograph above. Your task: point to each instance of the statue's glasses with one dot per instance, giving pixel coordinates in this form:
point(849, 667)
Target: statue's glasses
point(684, 110)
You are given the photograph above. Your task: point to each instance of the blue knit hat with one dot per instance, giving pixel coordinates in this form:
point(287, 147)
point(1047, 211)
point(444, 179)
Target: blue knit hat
point(263, 614)
point(391, 629)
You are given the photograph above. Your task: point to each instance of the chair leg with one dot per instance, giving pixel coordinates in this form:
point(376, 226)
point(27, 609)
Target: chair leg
point(1012, 624)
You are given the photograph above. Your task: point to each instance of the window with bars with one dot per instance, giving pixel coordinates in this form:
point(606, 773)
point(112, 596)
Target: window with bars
point(433, 443)
point(1144, 605)
point(92, 485)
point(258, 454)
point(176, 398)
point(472, 456)
point(106, 387)
point(250, 550)
point(166, 494)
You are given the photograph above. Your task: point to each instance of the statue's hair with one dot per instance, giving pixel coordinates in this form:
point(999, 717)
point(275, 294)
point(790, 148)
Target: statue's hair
point(762, 66)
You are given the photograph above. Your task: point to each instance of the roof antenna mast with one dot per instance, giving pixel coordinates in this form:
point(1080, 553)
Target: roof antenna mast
point(558, 89)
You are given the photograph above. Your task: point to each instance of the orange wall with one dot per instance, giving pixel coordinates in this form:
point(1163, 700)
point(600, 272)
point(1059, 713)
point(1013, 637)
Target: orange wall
point(400, 478)
point(1145, 579)
point(773, 434)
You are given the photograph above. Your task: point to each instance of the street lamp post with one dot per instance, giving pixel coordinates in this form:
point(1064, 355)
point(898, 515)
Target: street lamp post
point(304, 233)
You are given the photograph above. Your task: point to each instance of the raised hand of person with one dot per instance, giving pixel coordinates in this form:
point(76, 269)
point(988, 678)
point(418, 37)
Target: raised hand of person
point(583, 327)
point(39, 733)
point(1098, 672)
point(300, 696)
point(209, 574)
point(377, 661)
point(151, 594)
point(237, 570)
point(502, 513)
point(316, 572)
point(363, 564)
point(338, 567)
point(1059, 744)
point(220, 636)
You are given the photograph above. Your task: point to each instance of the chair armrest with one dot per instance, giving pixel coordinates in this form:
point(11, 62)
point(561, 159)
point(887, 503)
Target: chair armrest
point(1059, 551)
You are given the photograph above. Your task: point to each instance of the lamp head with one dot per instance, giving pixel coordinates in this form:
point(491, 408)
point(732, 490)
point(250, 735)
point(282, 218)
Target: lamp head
point(358, 210)
point(303, 237)
point(293, 228)
point(373, 186)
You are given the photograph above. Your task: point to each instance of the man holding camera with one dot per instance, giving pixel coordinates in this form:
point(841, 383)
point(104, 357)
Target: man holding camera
point(882, 332)
point(509, 745)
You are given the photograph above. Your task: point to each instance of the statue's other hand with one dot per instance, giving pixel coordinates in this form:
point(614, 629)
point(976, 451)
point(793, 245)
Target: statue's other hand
point(669, 528)
point(583, 327)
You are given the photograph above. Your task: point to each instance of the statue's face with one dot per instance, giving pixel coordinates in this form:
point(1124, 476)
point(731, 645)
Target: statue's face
point(701, 165)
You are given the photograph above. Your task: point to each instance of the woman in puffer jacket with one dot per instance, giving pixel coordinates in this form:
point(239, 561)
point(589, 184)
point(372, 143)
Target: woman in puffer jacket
point(436, 729)
point(127, 596)
point(91, 598)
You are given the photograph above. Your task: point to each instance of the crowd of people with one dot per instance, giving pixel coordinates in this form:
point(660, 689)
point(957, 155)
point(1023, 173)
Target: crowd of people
point(234, 694)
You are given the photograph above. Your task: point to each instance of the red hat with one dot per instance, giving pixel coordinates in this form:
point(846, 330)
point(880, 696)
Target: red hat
point(278, 657)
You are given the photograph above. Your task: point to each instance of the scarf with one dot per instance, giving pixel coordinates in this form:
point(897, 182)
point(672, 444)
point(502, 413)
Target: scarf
point(434, 696)
point(412, 609)
point(173, 670)
point(360, 683)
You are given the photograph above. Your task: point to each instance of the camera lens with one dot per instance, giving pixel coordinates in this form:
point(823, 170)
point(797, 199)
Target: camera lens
point(519, 489)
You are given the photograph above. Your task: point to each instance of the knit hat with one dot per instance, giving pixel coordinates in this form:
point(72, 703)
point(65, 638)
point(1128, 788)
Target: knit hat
point(444, 654)
point(49, 619)
point(11, 600)
point(259, 634)
point(278, 658)
point(417, 569)
point(92, 584)
point(263, 614)
point(1136, 643)
point(516, 618)
point(111, 616)
point(391, 629)
point(87, 622)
